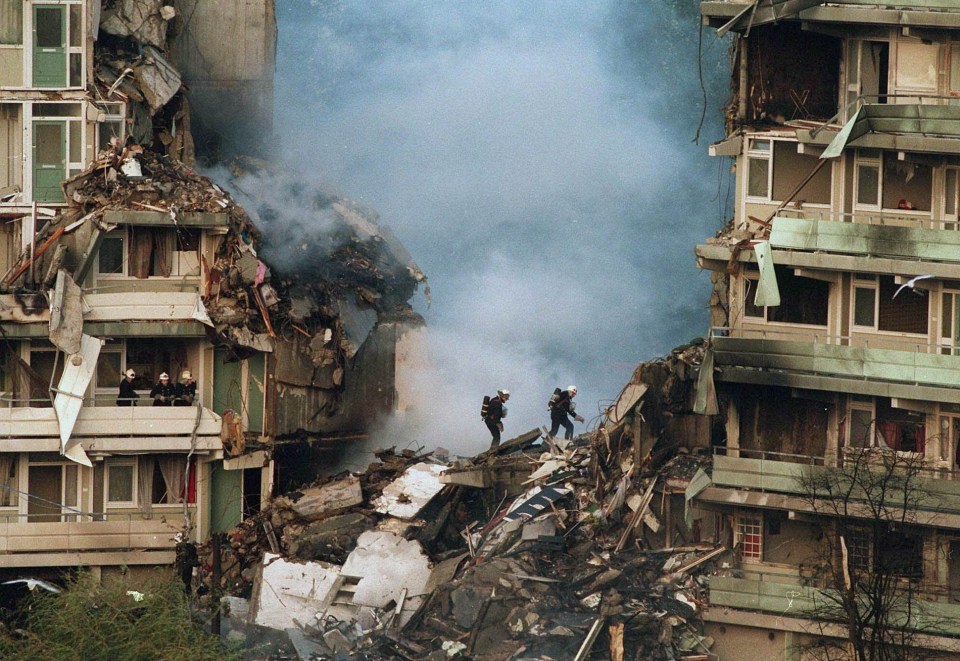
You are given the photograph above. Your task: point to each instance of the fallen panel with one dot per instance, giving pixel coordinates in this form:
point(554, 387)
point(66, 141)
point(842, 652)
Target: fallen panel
point(319, 502)
point(390, 569)
point(627, 400)
point(410, 493)
point(78, 370)
point(290, 594)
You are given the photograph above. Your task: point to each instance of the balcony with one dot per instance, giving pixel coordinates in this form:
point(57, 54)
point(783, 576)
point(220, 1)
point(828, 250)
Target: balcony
point(107, 429)
point(126, 539)
point(914, 123)
point(908, 369)
point(769, 480)
point(737, 14)
point(792, 600)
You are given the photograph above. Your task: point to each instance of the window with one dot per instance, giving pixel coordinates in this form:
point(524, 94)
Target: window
point(875, 307)
point(110, 124)
point(802, 300)
point(121, 483)
point(885, 182)
point(776, 169)
point(857, 541)
point(110, 258)
point(882, 426)
point(758, 168)
point(11, 22)
point(8, 479)
point(899, 554)
point(750, 536)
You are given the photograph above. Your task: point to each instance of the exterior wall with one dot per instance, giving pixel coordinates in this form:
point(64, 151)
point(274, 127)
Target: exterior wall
point(740, 642)
point(226, 51)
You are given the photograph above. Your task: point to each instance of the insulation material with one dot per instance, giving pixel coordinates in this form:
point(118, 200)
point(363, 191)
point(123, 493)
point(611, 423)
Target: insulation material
point(290, 594)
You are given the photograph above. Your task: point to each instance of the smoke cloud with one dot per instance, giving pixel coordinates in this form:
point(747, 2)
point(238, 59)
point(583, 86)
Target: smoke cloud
point(536, 160)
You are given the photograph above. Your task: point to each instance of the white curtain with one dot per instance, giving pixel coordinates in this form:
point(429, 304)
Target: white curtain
point(173, 468)
point(145, 484)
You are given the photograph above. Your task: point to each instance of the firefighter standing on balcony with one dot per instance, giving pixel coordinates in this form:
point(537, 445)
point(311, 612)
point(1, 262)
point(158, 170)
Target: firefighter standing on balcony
point(127, 395)
point(163, 392)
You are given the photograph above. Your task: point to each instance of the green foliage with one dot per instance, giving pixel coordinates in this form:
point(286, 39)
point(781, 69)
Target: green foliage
point(91, 621)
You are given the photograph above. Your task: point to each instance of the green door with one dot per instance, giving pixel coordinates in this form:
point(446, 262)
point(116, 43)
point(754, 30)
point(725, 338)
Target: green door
point(226, 498)
point(49, 160)
point(49, 46)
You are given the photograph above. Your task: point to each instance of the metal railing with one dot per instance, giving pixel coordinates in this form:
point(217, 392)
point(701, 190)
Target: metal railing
point(99, 400)
point(881, 218)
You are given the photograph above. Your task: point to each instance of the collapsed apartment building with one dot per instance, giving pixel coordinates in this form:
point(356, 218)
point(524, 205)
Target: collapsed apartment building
point(835, 321)
point(118, 256)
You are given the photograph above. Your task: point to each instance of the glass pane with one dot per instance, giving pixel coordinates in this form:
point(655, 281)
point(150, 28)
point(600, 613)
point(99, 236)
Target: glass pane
point(950, 193)
point(863, 306)
point(120, 484)
point(757, 182)
point(11, 22)
point(760, 145)
point(76, 70)
point(108, 370)
point(56, 110)
point(76, 151)
point(946, 317)
point(111, 255)
point(860, 428)
point(49, 140)
point(105, 131)
point(49, 27)
point(868, 185)
point(76, 26)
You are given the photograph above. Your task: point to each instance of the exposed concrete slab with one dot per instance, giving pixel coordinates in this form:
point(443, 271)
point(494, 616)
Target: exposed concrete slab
point(288, 593)
point(408, 494)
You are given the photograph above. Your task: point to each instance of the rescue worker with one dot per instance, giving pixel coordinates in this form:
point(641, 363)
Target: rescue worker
point(186, 390)
point(561, 406)
point(496, 412)
point(127, 395)
point(163, 392)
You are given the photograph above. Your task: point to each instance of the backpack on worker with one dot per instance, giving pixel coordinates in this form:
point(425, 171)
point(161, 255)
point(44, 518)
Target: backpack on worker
point(484, 407)
point(553, 398)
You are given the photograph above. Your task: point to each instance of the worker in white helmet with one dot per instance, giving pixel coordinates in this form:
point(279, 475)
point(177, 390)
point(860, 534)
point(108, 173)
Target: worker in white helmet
point(561, 406)
point(495, 413)
point(127, 395)
point(185, 391)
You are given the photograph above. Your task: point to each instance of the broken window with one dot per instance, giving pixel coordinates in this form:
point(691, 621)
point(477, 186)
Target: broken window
point(953, 84)
point(151, 252)
point(868, 65)
point(949, 320)
point(110, 124)
point(750, 536)
point(875, 307)
point(885, 427)
point(110, 258)
point(899, 554)
point(802, 300)
point(857, 541)
point(950, 440)
point(777, 424)
point(884, 181)
point(11, 150)
point(776, 168)
point(150, 357)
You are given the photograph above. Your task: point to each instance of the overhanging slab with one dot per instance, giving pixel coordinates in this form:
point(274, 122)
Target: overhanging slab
point(161, 219)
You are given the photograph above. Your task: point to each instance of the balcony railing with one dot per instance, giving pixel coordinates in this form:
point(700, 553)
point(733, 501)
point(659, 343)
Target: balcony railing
point(883, 218)
point(22, 533)
point(855, 341)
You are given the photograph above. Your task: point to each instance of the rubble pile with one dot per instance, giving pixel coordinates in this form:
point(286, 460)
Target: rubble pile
point(539, 548)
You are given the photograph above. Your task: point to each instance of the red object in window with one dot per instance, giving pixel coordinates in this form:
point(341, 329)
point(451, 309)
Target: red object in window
point(192, 484)
point(891, 434)
point(921, 438)
point(751, 545)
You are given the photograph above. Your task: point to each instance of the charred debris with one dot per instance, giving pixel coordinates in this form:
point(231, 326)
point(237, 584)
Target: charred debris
point(540, 548)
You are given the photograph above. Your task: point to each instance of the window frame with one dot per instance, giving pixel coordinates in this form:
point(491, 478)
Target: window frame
point(107, 469)
point(749, 535)
point(124, 237)
point(874, 284)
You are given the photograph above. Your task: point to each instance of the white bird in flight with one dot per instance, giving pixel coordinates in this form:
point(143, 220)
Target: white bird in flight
point(911, 283)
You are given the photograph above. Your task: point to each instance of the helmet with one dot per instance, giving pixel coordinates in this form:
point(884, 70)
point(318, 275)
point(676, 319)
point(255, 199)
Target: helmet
point(164, 375)
point(130, 373)
point(572, 390)
point(187, 375)
point(504, 392)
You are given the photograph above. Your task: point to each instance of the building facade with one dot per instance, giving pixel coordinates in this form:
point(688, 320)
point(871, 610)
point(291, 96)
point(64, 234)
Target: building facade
point(836, 321)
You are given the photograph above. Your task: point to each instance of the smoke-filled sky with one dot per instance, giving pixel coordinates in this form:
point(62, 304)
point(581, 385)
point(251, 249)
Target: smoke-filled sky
point(536, 160)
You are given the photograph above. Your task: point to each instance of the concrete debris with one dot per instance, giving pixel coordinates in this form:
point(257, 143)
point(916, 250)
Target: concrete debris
point(144, 21)
point(530, 550)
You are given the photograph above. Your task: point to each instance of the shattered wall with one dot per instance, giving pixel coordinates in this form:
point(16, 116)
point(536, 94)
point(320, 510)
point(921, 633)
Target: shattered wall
point(226, 51)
